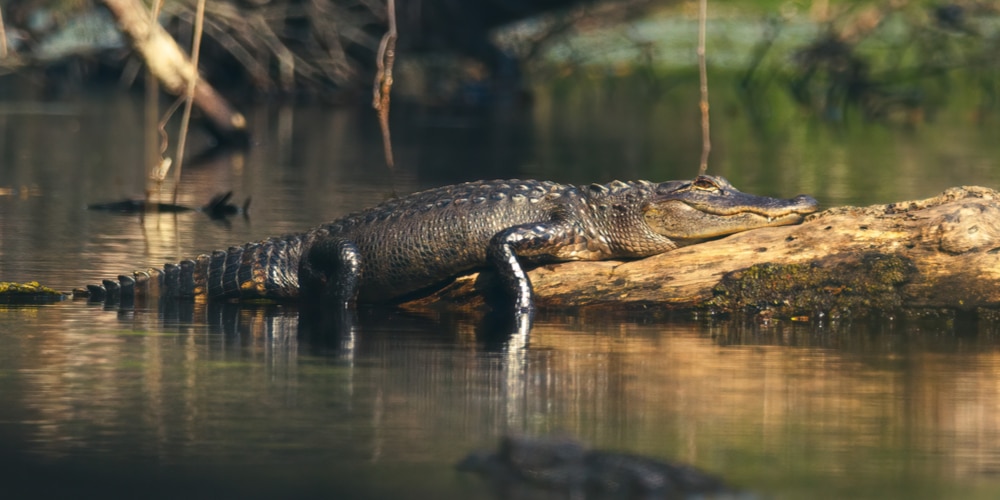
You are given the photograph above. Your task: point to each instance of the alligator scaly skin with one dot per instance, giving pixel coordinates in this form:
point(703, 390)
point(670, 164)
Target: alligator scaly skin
point(414, 242)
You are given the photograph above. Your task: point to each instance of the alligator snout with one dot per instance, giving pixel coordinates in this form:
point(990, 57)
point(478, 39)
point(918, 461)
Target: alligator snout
point(804, 204)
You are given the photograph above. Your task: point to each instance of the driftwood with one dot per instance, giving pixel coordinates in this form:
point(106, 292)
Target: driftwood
point(174, 69)
point(941, 253)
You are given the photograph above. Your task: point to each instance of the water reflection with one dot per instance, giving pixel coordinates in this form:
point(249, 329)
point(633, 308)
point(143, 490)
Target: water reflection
point(900, 403)
point(269, 400)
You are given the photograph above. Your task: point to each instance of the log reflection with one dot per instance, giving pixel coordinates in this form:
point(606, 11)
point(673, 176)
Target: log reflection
point(230, 383)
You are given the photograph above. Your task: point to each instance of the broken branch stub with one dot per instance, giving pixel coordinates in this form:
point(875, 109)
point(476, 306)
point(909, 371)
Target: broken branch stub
point(174, 69)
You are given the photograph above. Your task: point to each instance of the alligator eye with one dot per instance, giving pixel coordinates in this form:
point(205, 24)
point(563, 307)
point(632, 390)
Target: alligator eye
point(705, 183)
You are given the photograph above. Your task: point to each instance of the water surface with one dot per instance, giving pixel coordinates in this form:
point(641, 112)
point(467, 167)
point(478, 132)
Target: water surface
point(262, 401)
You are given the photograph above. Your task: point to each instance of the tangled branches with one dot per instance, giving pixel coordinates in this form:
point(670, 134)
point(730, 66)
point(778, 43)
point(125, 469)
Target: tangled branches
point(287, 46)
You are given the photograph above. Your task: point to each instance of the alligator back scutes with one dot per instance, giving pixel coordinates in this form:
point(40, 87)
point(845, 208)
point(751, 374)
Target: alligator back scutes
point(478, 192)
point(259, 270)
point(262, 270)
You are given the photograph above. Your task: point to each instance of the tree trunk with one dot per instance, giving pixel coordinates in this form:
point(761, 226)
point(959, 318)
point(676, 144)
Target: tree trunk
point(174, 69)
point(938, 253)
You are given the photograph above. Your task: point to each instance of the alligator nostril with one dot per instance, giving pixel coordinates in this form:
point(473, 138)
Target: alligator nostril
point(806, 200)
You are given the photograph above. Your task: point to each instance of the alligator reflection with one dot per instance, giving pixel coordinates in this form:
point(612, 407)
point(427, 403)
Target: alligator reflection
point(847, 404)
point(322, 330)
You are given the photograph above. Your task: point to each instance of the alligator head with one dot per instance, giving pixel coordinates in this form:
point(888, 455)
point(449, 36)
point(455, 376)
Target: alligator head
point(709, 207)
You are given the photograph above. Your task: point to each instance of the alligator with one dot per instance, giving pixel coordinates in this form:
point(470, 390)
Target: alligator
point(415, 242)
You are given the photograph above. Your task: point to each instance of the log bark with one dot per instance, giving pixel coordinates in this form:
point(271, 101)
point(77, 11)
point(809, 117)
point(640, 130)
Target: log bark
point(938, 253)
point(172, 67)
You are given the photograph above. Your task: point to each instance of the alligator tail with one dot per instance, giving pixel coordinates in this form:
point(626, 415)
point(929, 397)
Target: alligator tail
point(260, 270)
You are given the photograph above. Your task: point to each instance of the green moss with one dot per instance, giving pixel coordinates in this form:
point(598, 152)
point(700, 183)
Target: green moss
point(835, 287)
point(27, 293)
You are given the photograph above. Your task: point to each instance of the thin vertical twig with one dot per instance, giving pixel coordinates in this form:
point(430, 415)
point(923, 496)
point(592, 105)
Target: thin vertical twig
point(706, 141)
point(154, 151)
point(3, 37)
point(199, 22)
point(383, 80)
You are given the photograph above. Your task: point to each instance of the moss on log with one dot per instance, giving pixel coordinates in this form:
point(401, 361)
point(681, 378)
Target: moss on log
point(834, 286)
point(938, 253)
point(31, 292)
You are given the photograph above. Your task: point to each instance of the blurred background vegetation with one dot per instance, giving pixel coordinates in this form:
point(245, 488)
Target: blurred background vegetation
point(891, 59)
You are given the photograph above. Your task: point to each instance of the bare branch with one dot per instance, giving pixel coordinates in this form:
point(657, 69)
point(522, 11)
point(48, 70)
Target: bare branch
point(383, 80)
point(199, 23)
point(173, 69)
point(3, 37)
point(154, 156)
point(706, 140)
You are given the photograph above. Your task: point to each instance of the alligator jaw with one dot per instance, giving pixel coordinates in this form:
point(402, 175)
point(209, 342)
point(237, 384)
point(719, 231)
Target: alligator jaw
point(771, 208)
point(690, 219)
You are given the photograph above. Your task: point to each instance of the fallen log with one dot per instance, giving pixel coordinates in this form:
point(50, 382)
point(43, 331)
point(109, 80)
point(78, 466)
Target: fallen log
point(938, 253)
point(174, 69)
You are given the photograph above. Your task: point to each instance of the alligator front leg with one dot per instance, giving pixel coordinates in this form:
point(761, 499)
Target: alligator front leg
point(330, 271)
point(536, 241)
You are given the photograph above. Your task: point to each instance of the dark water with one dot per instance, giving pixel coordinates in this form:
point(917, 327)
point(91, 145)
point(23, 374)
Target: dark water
point(258, 401)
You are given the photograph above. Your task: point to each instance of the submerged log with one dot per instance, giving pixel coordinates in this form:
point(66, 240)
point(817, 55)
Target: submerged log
point(938, 253)
point(574, 470)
